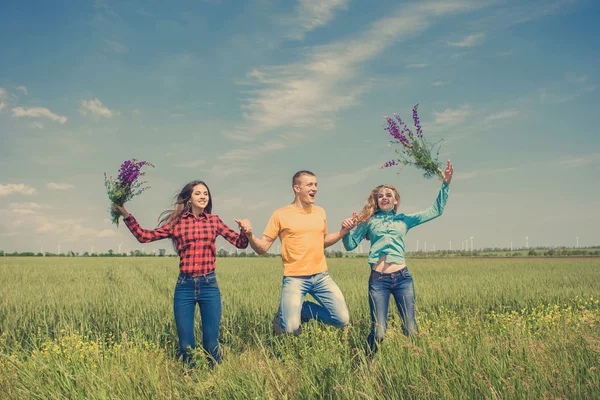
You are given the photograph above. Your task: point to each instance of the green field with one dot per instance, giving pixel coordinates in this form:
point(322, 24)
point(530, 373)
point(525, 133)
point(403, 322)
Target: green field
point(104, 328)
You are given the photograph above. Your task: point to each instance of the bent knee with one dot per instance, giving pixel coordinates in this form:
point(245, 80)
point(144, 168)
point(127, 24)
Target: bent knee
point(342, 319)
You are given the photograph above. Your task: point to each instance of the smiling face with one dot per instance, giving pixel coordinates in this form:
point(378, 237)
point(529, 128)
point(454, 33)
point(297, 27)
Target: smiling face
point(386, 199)
point(199, 199)
point(306, 189)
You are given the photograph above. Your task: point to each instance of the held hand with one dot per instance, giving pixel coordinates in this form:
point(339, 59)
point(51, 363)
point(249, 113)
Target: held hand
point(121, 210)
point(245, 226)
point(447, 174)
point(348, 223)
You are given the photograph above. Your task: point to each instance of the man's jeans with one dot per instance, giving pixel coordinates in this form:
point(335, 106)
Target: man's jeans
point(204, 291)
point(331, 308)
point(400, 285)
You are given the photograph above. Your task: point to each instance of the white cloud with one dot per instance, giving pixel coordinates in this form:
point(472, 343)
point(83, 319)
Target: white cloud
point(13, 188)
point(59, 186)
point(439, 83)
point(474, 174)
point(117, 47)
point(578, 161)
point(23, 211)
point(417, 65)
point(451, 117)
point(37, 112)
point(95, 108)
point(350, 178)
point(22, 89)
point(190, 164)
point(503, 115)
point(310, 92)
point(2, 105)
point(25, 205)
point(105, 233)
point(470, 41)
point(251, 153)
point(311, 14)
point(2, 93)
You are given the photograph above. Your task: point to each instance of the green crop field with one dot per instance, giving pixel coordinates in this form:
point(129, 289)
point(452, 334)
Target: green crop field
point(98, 328)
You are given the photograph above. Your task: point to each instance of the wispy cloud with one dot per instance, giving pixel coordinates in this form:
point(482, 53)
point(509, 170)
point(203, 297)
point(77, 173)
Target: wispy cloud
point(439, 83)
point(16, 188)
point(310, 15)
point(579, 161)
point(2, 105)
point(350, 178)
point(22, 89)
point(37, 112)
point(452, 117)
point(503, 115)
point(470, 41)
point(29, 206)
point(251, 153)
point(95, 109)
point(59, 186)
point(417, 65)
point(190, 164)
point(310, 92)
point(117, 47)
point(477, 174)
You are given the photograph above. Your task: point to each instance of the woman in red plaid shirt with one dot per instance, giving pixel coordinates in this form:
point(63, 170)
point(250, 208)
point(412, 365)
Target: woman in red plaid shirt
point(193, 230)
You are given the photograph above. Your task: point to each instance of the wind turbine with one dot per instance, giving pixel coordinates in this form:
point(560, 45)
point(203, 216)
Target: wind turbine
point(120, 244)
point(450, 245)
point(58, 249)
point(511, 246)
point(577, 239)
point(417, 245)
point(471, 243)
point(527, 242)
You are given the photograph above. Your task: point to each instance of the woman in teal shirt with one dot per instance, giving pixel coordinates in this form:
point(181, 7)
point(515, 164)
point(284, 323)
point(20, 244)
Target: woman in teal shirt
point(385, 228)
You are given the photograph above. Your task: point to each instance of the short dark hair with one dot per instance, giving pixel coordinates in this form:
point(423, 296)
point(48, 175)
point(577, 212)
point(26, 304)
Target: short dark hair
point(298, 174)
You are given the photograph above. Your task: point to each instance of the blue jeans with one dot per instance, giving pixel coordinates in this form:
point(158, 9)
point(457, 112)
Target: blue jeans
point(204, 291)
point(400, 285)
point(330, 307)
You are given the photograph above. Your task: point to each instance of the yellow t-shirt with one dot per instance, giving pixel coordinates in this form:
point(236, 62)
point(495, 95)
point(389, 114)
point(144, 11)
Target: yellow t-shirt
point(302, 232)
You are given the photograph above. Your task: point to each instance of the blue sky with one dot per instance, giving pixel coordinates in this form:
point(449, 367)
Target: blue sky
point(244, 94)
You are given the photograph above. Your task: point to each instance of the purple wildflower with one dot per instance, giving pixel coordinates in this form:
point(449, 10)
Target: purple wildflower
point(417, 121)
point(394, 130)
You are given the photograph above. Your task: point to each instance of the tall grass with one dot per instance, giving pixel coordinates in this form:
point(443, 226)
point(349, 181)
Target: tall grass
point(104, 328)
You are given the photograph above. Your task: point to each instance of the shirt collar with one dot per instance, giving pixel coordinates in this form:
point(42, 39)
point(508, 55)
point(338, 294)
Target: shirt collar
point(381, 212)
point(188, 214)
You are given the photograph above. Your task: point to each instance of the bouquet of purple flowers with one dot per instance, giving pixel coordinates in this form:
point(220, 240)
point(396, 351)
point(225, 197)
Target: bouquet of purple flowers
point(126, 185)
point(413, 149)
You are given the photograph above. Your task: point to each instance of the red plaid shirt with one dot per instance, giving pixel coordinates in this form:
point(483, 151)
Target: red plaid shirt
point(194, 237)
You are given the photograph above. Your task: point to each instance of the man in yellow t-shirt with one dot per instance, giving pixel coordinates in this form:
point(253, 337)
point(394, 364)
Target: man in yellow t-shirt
point(302, 229)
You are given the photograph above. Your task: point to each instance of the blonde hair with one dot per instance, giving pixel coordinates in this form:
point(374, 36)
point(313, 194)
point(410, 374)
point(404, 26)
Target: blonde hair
point(371, 204)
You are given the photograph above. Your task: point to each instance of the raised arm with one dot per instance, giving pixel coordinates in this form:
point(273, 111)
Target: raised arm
point(143, 235)
point(437, 208)
point(238, 240)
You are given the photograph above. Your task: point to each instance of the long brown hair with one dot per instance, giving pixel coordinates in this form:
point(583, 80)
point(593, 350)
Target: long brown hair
point(371, 204)
point(182, 204)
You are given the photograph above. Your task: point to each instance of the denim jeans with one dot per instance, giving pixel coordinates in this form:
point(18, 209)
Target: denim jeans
point(400, 285)
point(330, 307)
point(204, 291)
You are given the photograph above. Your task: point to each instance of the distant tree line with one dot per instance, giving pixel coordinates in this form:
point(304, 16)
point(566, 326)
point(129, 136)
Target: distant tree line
point(593, 251)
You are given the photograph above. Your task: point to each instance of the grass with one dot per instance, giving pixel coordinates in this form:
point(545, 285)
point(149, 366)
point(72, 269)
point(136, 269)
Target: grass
point(104, 328)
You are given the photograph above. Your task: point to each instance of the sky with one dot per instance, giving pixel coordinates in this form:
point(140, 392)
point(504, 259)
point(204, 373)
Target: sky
point(244, 94)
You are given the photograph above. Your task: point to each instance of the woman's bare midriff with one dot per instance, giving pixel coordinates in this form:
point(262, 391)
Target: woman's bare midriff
point(385, 267)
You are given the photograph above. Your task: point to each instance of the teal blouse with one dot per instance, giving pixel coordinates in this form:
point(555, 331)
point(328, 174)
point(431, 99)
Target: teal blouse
point(387, 230)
